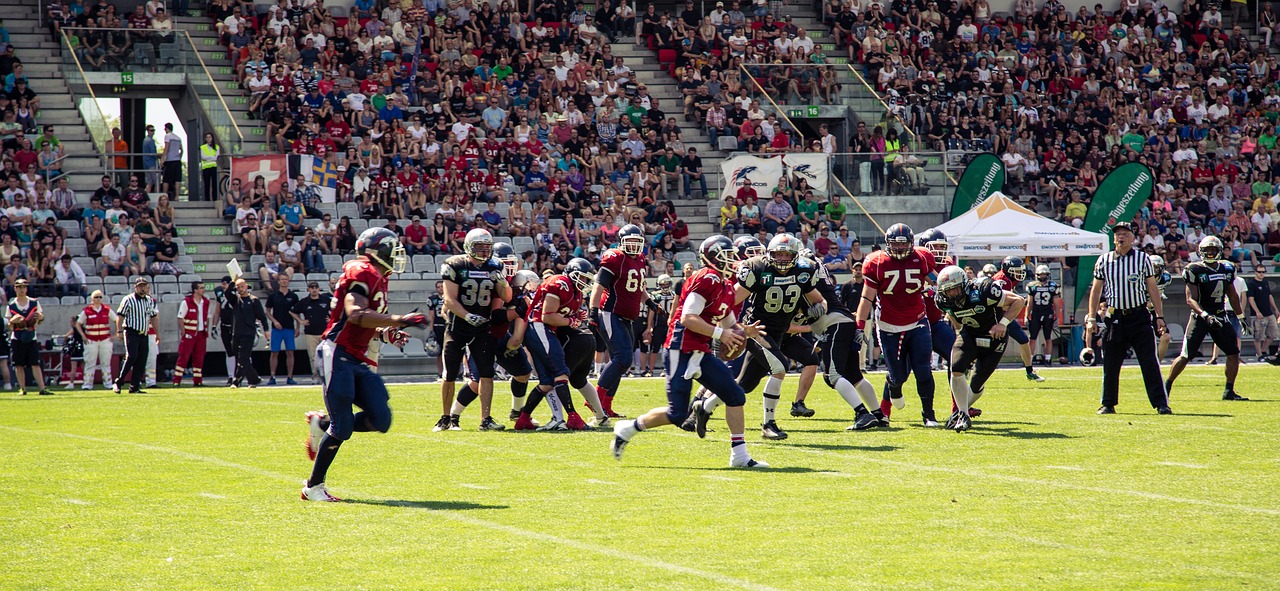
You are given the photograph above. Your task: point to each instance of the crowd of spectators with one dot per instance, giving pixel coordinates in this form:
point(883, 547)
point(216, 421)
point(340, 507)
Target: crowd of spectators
point(1064, 97)
point(434, 113)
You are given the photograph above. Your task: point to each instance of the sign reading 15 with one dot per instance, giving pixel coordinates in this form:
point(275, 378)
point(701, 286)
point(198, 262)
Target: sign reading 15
point(910, 277)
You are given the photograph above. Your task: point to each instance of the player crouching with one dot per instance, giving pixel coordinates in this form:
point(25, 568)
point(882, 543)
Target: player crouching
point(974, 307)
point(556, 308)
point(703, 313)
point(348, 373)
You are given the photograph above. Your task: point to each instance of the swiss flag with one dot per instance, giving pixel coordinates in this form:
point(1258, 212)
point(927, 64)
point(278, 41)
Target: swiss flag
point(273, 168)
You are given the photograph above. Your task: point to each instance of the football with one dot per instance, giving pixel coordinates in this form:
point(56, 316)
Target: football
point(17, 324)
point(727, 354)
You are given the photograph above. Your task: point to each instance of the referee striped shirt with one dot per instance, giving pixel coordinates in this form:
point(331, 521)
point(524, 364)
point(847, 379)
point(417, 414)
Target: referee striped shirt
point(1124, 278)
point(137, 311)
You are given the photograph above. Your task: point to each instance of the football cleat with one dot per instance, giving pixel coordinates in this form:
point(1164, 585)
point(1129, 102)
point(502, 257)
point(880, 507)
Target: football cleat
point(453, 424)
point(931, 422)
point(574, 422)
point(599, 423)
point(515, 415)
point(1033, 376)
point(748, 463)
point(554, 425)
point(524, 423)
point(975, 412)
point(314, 433)
point(441, 425)
point(488, 424)
point(951, 420)
point(318, 493)
point(701, 417)
point(962, 423)
point(798, 409)
point(1231, 395)
point(606, 403)
point(771, 430)
point(1106, 410)
point(884, 421)
point(864, 422)
point(617, 446)
point(272, 381)
point(1164, 410)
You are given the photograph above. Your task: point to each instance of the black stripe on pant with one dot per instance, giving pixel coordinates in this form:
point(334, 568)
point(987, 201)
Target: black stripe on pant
point(136, 345)
point(1131, 331)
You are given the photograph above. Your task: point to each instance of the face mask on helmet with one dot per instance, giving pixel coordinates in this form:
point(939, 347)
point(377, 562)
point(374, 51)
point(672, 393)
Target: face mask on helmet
point(581, 280)
point(632, 245)
point(1018, 273)
point(939, 248)
point(480, 251)
point(754, 250)
point(510, 266)
point(394, 259)
point(1210, 253)
point(899, 248)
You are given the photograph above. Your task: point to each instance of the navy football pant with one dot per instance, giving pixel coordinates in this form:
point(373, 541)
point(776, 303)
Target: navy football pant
point(548, 354)
point(619, 335)
point(709, 371)
point(348, 383)
point(908, 353)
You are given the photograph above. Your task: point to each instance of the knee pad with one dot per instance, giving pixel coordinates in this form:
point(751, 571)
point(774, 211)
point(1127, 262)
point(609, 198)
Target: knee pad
point(381, 421)
point(830, 378)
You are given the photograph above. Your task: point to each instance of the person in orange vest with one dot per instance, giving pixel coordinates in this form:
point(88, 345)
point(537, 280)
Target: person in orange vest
point(196, 316)
point(96, 324)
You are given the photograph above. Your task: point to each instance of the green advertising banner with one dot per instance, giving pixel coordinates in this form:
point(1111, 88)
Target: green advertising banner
point(983, 176)
point(1119, 198)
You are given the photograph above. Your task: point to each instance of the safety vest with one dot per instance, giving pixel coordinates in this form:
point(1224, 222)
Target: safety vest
point(891, 148)
point(193, 320)
point(208, 156)
point(97, 325)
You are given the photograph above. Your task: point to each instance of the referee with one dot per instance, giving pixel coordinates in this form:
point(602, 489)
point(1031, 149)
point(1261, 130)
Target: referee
point(1126, 278)
point(137, 312)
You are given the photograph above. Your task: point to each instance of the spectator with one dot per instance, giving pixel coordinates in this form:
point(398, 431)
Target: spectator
point(115, 258)
point(730, 221)
point(271, 271)
point(778, 214)
point(69, 277)
point(165, 261)
point(691, 168)
point(290, 253)
point(312, 254)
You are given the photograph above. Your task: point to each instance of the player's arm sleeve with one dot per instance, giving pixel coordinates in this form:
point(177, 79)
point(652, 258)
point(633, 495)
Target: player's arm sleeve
point(448, 274)
point(606, 275)
point(694, 303)
point(1189, 276)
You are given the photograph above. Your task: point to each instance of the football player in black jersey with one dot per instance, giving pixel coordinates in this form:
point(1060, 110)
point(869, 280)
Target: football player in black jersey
point(435, 312)
point(772, 286)
point(980, 310)
point(474, 284)
point(1209, 288)
point(1043, 316)
point(839, 350)
point(1163, 279)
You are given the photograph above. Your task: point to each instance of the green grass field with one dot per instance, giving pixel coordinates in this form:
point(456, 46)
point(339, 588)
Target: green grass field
point(198, 489)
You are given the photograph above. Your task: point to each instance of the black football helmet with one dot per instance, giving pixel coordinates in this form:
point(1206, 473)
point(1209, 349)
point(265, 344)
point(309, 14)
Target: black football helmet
point(581, 272)
point(718, 254)
point(935, 241)
point(748, 247)
point(383, 247)
point(1014, 268)
point(899, 241)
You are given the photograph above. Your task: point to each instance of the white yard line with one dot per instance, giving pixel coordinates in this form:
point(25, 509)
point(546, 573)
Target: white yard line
point(1182, 465)
point(77, 502)
point(644, 561)
point(209, 495)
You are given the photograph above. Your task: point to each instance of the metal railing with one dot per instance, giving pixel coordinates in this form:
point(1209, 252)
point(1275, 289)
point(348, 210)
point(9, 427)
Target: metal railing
point(82, 95)
point(201, 83)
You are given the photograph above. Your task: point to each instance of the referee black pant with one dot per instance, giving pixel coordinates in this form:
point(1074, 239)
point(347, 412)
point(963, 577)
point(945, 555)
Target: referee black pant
point(1131, 331)
point(136, 346)
point(244, 360)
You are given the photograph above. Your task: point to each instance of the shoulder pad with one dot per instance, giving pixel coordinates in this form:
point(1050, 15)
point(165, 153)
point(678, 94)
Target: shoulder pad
point(804, 263)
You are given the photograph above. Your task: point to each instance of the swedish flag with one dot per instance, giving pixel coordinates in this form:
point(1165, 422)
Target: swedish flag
point(324, 174)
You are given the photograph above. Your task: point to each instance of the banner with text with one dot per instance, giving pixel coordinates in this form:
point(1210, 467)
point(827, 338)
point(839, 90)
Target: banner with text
point(810, 166)
point(759, 172)
point(1120, 197)
point(983, 176)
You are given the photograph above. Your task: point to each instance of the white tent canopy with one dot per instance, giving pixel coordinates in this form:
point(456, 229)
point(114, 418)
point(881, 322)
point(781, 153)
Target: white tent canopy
point(999, 227)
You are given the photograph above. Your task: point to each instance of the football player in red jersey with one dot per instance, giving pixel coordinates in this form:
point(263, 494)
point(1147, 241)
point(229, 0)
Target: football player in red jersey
point(347, 370)
point(616, 299)
point(555, 304)
point(1012, 272)
point(703, 313)
point(896, 276)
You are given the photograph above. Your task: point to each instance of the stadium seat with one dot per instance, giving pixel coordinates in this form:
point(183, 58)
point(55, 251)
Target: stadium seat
point(332, 261)
point(71, 300)
point(350, 210)
point(1176, 333)
point(398, 296)
point(77, 247)
point(320, 277)
point(424, 263)
point(440, 259)
point(522, 243)
point(409, 276)
point(390, 352)
point(71, 227)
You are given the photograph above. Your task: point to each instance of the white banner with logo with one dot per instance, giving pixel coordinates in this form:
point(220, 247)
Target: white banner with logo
point(810, 166)
point(761, 173)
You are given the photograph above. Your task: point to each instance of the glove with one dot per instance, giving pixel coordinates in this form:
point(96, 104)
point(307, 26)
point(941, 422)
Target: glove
point(860, 337)
point(396, 337)
point(595, 317)
point(476, 320)
point(816, 311)
point(1214, 321)
point(415, 319)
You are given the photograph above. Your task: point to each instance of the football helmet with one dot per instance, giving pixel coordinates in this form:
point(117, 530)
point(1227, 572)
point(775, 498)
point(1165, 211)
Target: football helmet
point(935, 241)
point(1211, 249)
point(1014, 268)
point(581, 272)
point(383, 247)
point(951, 283)
point(748, 247)
point(988, 270)
point(718, 254)
point(525, 280)
point(664, 282)
point(1157, 262)
point(783, 251)
point(1042, 273)
point(899, 241)
point(507, 255)
point(478, 245)
point(631, 240)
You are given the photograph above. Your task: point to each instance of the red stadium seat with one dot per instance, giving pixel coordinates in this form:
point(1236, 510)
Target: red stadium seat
point(666, 56)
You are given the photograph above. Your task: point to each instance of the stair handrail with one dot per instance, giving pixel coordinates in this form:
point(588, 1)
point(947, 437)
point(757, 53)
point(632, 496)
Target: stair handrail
point(234, 145)
point(94, 118)
point(783, 114)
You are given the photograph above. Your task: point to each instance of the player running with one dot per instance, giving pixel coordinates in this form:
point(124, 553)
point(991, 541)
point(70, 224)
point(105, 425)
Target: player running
point(982, 311)
point(616, 299)
point(772, 287)
point(474, 283)
point(507, 327)
point(896, 277)
point(1012, 272)
point(555, 304)
point(703, 314)
point(348, 374)
point(839, 349)
point(1043, 316)
point(942, 334)
point(1209, 286)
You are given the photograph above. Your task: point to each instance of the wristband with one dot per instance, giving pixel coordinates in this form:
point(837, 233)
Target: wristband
point(1159, 317)
point(1005, 322)
point(1204, 315)
point(715, 334)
